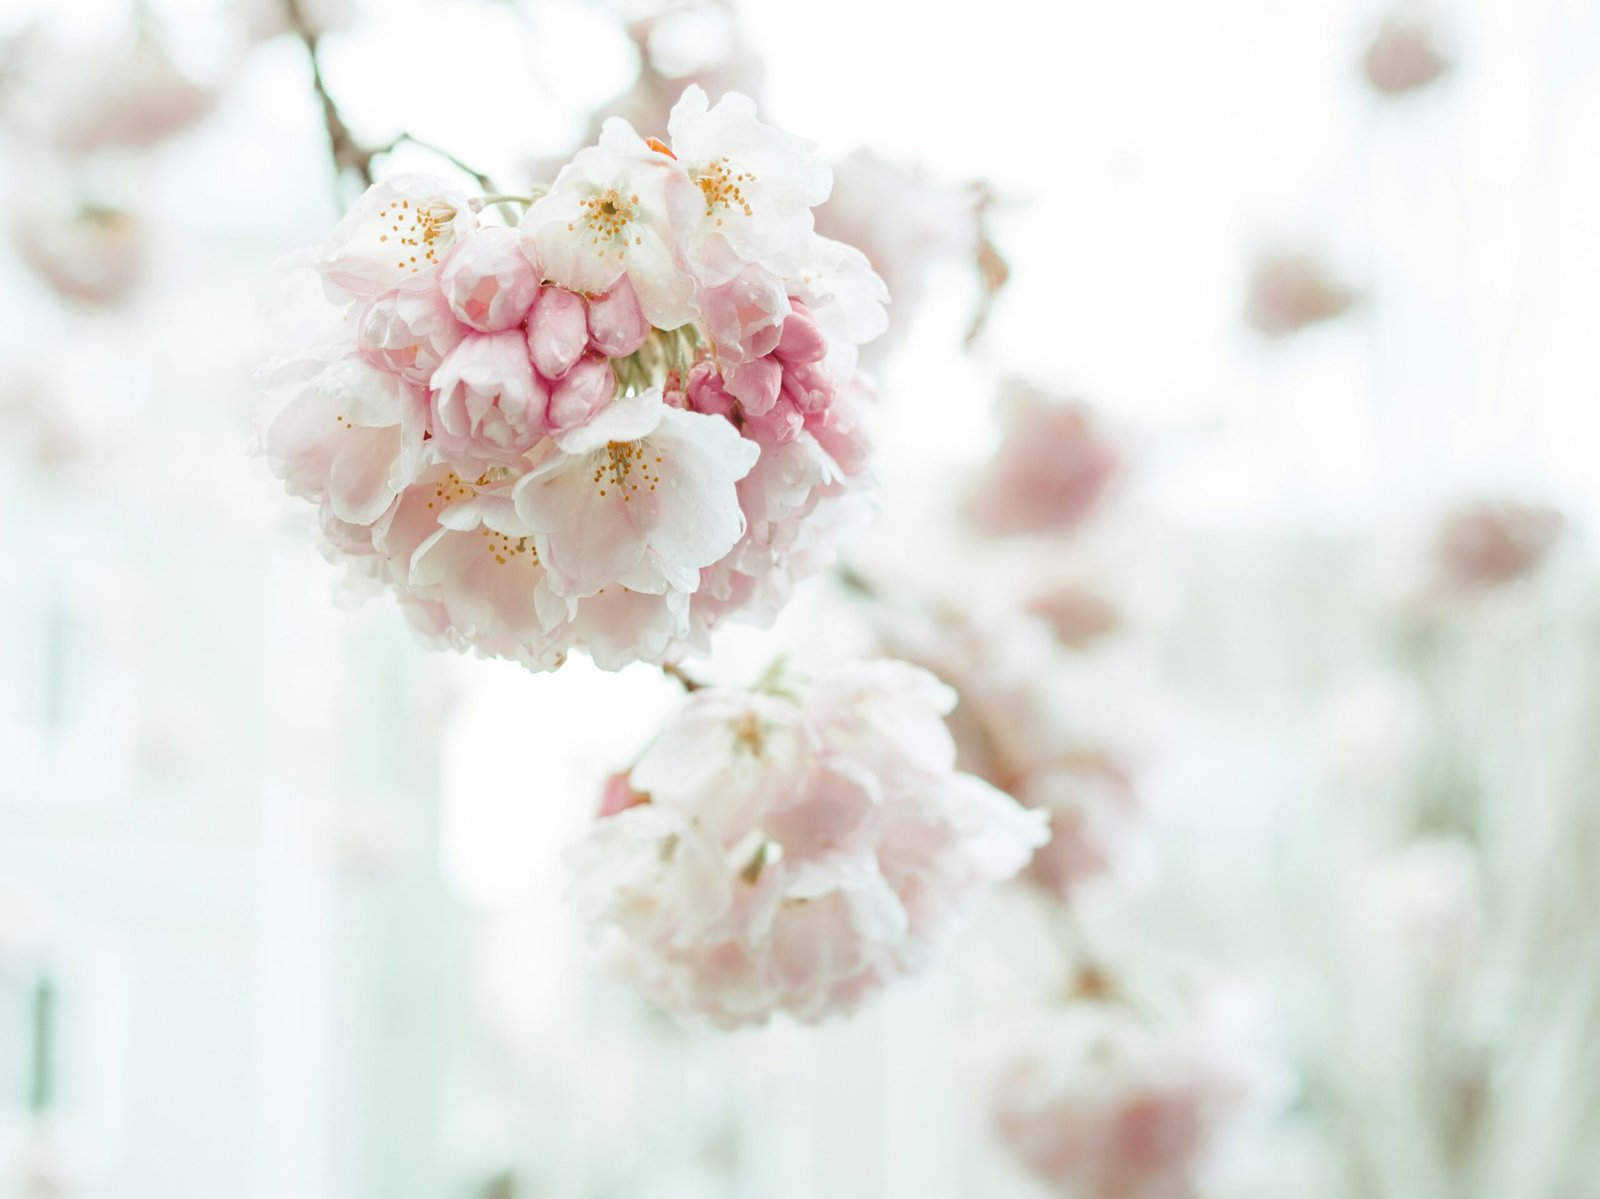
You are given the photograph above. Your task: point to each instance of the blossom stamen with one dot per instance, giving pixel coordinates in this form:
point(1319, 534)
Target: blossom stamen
point(503, 549)
point(607, 216)
point(424, 228)
point(616, 471)
point(722, 185)
point(450, 489)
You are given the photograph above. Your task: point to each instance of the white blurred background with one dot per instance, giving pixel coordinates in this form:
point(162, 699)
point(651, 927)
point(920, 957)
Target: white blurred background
point(280, 891)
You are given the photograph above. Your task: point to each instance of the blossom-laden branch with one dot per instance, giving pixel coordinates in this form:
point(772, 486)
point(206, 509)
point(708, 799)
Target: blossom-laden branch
point(850, 843)
point(525, 391)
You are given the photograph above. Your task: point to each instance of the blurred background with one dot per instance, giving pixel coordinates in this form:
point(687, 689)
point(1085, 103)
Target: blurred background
point(1235, 435)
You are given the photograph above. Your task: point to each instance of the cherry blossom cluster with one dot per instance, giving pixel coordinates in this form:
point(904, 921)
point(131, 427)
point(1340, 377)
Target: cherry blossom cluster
point(630, 415)
point(1101, 1103)
point(775, 852)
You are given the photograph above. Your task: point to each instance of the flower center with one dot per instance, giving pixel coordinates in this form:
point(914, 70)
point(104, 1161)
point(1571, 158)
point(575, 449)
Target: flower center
point(607, 215)
point(748, 734)
point(723, 187)
point(451, 488)
point(624, 466)
point(503, 549)
point(422, 229)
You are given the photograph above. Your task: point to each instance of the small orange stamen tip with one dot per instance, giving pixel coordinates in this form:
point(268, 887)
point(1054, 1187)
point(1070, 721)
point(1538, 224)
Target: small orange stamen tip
point(660, 147)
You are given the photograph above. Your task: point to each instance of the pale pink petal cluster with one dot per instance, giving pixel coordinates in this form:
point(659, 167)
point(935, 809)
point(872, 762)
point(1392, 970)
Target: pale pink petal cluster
point(1099, 1103)
point(1020, 725)
point(630, 416)
point(906, 221)
point(78, 99)
point(86, 252)
point(776, 852)
point(1291, 290)
point(1095, 819)
point(1404, 56)
point(1490, 543)
point(1053, 468)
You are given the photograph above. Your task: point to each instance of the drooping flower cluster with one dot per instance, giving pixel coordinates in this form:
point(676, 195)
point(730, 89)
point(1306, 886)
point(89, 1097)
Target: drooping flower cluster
point(632, 415)
point(773, 853)
point(1100, 1104)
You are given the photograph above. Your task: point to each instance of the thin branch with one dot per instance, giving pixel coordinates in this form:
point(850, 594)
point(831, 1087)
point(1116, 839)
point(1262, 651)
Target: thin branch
point(504, 198)
point(483, 180)
point(349, 153)
point(993, 270)
point(673, 671)
point(852, 579)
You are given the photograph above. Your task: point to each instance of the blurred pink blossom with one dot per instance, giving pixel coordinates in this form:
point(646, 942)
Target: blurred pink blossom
point(798, 851)
point(1403, 57)
point(1015, 727)
point(907, 222)
point(86, 253)
point(1100, 1104)
point(1290, 291)
point(1078, 613)
point(77, 99)
point(1490, 543)
point(1095, 819)
point(1054, 466)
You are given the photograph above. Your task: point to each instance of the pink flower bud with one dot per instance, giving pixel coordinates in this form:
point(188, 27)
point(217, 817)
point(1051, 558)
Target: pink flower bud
point(801, 340)
point(489, 281)
point(705, 391)
point(746, 313)
point(582, 392)
point(756, 384)
point(558, 331)
point(409, 330)
point(616, 324)
point(1055, 464)
point(489, 406)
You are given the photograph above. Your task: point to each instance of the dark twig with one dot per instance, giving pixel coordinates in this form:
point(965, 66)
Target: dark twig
point(673, 671)
point(349, 154)
point(993, 270)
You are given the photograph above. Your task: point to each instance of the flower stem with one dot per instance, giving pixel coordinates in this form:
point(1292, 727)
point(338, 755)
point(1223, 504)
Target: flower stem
point(350, 154)
point(673, 671)
point(483, 180)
